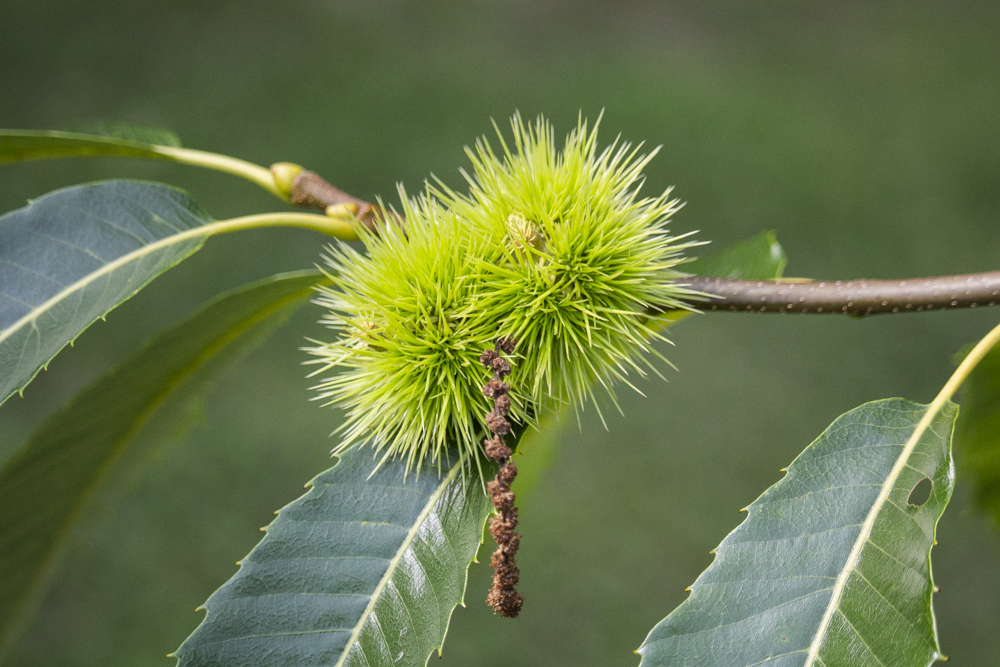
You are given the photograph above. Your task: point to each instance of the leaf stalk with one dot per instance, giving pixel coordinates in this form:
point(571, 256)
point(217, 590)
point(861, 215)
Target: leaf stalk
point(230, 165)
point(337, 226)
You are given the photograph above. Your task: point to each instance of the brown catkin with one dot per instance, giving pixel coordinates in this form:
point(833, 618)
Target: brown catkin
point(502, 598)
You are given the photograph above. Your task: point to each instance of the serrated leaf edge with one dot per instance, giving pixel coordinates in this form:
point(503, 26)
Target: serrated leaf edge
point(850, 564)
point(108, 268)
point(318, 223)
point(352, 641)
point(943, 398)
point(394, 563)
point(465, 586)
point(39, 582)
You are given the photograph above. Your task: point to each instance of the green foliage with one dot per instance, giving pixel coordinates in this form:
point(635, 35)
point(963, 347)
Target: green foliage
point(70, 257)
point(757, 258)
point(140, 134)
point(122, 140)
point(364, 569)
point(832, 564)
point(979, 433)
point(104, 140)
point(45, 486)
point(554, 248)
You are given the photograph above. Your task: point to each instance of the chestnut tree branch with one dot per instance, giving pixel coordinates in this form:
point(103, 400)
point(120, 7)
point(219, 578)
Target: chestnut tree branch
point(841, 297)
point(847, 297)
point(310, 190)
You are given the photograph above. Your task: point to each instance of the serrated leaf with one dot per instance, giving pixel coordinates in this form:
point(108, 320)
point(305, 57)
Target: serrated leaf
point(758, 258)
point(108, 140)
point(361, 570)
point(979, 433)
point(47, 482)
point(832, 564)
point(70, 257)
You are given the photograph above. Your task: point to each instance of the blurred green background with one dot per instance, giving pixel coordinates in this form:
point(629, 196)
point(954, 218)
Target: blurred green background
point(866, 134)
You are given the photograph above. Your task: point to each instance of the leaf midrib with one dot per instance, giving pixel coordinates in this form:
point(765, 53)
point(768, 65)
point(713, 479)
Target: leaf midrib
point(305, 220)
point(866, 528)
point(118, 448)
point(105, 269)
point(394, 563)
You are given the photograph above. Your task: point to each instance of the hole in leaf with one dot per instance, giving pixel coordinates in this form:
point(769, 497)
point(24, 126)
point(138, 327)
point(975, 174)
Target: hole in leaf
point(920, 493)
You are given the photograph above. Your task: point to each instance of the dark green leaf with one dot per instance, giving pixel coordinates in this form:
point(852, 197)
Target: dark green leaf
point(359, 571)
point(140, 134)
point(71, 256)
point(16, 145)
point(832, 565)
point(979, 433)
point(757, 258)
point(44, 486)
point(111, 140)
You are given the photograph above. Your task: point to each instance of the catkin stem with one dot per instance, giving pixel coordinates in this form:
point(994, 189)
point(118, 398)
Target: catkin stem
point(503, 598)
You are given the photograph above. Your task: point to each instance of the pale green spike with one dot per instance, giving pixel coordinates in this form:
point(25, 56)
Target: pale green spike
point(412, 315)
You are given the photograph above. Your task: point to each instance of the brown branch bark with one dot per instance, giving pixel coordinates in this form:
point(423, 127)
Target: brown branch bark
point(847, 297)
point(310, 190)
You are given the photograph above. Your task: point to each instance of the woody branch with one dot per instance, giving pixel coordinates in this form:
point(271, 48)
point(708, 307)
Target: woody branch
point(829, 297)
